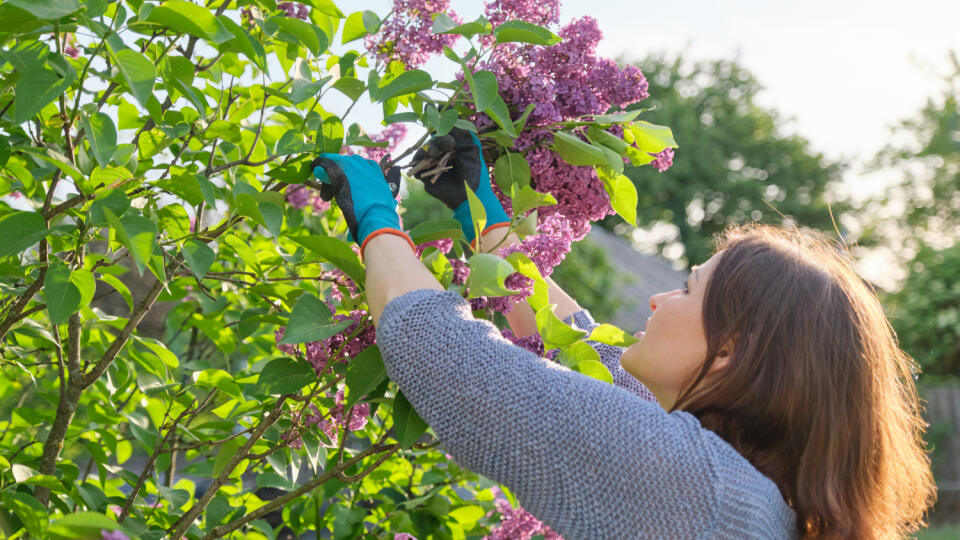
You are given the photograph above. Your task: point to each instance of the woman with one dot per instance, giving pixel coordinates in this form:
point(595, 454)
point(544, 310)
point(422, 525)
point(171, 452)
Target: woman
point(767, 399)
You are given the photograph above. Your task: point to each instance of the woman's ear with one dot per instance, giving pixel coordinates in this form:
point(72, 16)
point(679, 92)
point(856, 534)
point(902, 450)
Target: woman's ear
point(722, 359)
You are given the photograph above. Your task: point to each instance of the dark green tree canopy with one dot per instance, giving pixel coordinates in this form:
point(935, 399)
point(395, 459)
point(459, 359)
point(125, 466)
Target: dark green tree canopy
point(734, 161)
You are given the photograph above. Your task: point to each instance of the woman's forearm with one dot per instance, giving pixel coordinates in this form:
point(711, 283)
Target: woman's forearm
point(522, 319)
point(393, 270)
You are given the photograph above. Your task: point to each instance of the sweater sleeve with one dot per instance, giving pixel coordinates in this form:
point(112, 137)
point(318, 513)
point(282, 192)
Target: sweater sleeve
point(610, 356)
point(590, 459)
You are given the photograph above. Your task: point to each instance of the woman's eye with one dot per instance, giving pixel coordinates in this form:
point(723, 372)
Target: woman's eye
point(684, 288)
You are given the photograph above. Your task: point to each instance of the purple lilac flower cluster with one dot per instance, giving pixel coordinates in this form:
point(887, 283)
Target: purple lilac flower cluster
point(664, 160)
point(517, 523)
point(340, 347)
point(293, 9)
point(562, 82)
point(407, 35)
point(113, 535)
point(392, 134)
point(531, 11)
point(531, 343)
point(356, 418)
point(404, 536)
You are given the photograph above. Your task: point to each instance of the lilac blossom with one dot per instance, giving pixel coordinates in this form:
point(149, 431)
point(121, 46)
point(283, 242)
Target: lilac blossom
point(288, 349)
point(532, 343)
point(404, 536)
point(407, 35)
point(292, 9)
point(517, 523)
point(113, 535)
point(664, 159)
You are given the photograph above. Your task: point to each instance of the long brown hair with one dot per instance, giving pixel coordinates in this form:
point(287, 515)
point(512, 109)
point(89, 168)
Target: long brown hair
point(817, 395)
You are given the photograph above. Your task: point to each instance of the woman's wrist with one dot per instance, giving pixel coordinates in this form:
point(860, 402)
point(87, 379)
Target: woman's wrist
point(497, 238)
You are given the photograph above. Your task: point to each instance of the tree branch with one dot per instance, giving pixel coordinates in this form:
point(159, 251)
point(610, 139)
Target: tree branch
point(223, 530)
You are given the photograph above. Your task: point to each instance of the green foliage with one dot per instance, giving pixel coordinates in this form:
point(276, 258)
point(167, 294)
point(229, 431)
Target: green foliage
point(925, 309)
point(151, 260)
point(734, 163)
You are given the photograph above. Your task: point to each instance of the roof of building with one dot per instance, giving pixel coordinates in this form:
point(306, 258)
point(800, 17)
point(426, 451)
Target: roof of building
point(651, 274)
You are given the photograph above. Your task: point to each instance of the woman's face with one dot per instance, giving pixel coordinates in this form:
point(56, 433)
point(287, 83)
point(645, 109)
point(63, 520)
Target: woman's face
point(673, 345)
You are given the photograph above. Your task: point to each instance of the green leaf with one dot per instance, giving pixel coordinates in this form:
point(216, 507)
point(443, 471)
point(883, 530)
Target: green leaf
point(20, 231)
point(651, 137)
point(285, 376)
point(524, 32)
point(580, 351)
point(198, 256)
point(309, 35)
point(578, 152)
point(111, 176)
point(272, 217)
point(139, 73)
point(521, 263)
point(554, 332)
point(83, 280)
point(311, 321)
point(189, 18)
point(29, 510)
point(114, 199)
point(120, 287)
point(332, 132)
point(161, 351)
point(360, 24)
point(102, 136)
point(525, 198)
point(487, 275)
point(622, 192)
point(448, 119)
point(408, 424)
point(220, 379)
point(337, 252)
point(407, 82)
point(351, 87)
point(436, 229)
point(226, 453)
point(63, 296)
point(501, 115)
point(444, 24)
point(37, 87)
point(137, 233)
point(611, 335)
point(485, 89)
point(316, 454)
point(365, 372)
point(47, 9)
point(478, 214)
point(244, 251)
point(22, 473)
point(617, 118)
point(511, 168)
point(594, 369)
point(245, 43)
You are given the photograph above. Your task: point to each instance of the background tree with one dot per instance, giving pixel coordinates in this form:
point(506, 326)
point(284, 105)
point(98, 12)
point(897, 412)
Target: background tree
point(735, 158)
point(918, 220)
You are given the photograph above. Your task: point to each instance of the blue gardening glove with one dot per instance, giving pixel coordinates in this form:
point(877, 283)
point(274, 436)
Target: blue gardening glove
point(467, 165)
point(365, 197)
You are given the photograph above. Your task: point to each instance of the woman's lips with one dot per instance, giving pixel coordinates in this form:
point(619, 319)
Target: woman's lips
point(638, 334)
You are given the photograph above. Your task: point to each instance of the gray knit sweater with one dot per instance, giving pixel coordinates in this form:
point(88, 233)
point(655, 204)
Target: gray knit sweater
point(589, 459)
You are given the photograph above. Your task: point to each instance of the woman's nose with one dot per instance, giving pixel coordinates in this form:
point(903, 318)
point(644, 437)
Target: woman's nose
point(658, 299)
